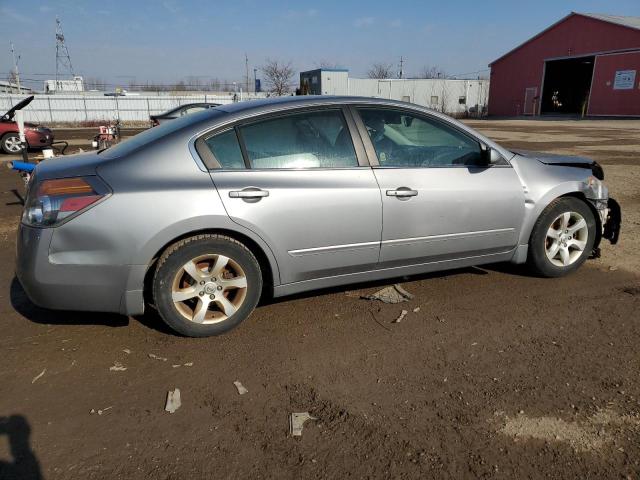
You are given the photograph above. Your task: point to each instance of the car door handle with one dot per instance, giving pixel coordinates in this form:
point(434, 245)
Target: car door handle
point(402, 192)
point(249, 193)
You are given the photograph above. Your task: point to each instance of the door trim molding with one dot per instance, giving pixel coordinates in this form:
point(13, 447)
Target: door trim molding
point(446, 236)
point(332, 248)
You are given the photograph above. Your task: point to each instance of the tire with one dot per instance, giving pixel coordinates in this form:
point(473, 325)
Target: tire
point(8, 141)
point(562, 238)
point(219, 299)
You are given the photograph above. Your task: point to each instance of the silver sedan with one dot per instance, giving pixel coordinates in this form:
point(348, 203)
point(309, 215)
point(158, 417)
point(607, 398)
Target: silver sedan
point(201, 216)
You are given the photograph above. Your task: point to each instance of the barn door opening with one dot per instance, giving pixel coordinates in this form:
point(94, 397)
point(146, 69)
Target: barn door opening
point(566, 86)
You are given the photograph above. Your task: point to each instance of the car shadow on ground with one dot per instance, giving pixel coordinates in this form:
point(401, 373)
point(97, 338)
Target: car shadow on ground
point(25, 465)
point(21, 303)
point(151, 319)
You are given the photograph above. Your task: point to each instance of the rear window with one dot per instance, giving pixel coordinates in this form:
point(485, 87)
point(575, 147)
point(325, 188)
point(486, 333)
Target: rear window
point(149, 136)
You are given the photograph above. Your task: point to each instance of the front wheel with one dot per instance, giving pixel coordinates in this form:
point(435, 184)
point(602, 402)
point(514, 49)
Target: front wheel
point(562, 237)
point(206, 285)
point(10, 143)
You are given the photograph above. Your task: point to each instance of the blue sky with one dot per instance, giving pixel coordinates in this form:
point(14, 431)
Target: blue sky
point(164, 41)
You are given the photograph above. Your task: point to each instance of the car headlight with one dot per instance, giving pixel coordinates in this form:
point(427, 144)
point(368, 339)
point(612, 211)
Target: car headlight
point(51, 202)
point(598, 189)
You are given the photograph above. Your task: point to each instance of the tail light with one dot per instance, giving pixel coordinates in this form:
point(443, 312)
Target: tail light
point(52, 202)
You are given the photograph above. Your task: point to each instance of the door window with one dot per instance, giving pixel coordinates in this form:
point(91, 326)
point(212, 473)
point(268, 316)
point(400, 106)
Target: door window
point(226, 150)
point(405, 140)
point(301, 140)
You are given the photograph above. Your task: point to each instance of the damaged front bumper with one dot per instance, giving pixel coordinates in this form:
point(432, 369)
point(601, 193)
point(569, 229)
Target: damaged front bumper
point(610, 216)
point(611, 221)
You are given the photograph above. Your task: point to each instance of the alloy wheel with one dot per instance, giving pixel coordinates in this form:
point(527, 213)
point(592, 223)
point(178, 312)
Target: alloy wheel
point(566, 239)
point(209, 289)
point(13, 144)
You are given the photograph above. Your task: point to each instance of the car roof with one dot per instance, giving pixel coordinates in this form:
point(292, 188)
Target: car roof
point(306, 100)
point(183, 106)
point(198, 104)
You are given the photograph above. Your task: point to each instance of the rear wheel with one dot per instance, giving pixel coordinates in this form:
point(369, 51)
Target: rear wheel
point(206, 285)
point(10, 143)
point(562, 238)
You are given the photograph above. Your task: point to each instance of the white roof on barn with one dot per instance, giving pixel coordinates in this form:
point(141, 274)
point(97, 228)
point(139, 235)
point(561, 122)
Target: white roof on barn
point(631, 22)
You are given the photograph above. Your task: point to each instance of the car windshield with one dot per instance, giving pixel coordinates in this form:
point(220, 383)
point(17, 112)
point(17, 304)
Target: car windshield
point(151, 135)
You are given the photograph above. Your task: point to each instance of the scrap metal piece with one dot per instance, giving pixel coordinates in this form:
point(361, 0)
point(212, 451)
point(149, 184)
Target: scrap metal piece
point(173, 400)
point(392, 294)
point(401, 317)
point(118, 367)
point(101, 411)
point(37, 377)
point(156, 357)
point(241, 389)
point(296, 422)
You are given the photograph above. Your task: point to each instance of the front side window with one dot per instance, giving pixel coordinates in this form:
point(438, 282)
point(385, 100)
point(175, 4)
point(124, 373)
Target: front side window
point(301, 140)
point(401, 139)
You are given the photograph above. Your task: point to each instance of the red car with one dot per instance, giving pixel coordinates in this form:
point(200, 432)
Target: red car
point(37, 136)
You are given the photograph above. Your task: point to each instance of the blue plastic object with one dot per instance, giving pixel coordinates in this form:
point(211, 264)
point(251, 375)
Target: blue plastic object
point(23, 166)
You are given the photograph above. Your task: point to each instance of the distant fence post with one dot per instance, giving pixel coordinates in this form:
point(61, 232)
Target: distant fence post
point(86, 114)
point(50, 112)
point(117, 108)
point(148, 108)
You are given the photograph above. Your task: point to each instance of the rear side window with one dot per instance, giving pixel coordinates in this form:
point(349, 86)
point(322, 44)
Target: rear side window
point(226, 150)
point(301, 140)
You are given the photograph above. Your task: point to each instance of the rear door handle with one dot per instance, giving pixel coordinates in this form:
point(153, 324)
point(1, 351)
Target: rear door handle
point(402, 192)
point(250, 192)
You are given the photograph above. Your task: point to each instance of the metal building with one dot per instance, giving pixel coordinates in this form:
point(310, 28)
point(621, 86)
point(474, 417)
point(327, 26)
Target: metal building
point(584, 64)
point(324, 81)
point(451, 96)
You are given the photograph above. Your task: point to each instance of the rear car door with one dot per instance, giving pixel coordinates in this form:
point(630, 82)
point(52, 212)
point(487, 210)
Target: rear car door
point(440, 201)
point(298, 181)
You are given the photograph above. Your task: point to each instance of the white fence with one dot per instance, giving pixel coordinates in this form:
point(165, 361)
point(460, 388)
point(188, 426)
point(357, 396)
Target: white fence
point(93, 108)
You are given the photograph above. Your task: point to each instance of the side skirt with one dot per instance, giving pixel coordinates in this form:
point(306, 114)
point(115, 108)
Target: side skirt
point(379, 274)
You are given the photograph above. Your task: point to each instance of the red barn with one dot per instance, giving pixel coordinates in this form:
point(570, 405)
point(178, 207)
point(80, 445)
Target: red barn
point(585, 64)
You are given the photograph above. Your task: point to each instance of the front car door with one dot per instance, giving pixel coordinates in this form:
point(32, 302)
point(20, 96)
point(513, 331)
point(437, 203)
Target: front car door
point(440, 202)
point(298, 181)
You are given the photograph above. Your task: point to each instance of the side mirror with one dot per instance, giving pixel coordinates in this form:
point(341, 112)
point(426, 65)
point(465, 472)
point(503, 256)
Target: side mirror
point(490, 156)
point(495, 158)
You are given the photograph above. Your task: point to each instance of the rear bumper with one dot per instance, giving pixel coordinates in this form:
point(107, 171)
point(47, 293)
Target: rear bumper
point(98, 288)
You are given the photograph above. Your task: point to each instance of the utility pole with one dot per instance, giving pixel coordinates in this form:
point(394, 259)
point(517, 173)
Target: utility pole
point(15, 66)
point(401, 65)
point(246, 67)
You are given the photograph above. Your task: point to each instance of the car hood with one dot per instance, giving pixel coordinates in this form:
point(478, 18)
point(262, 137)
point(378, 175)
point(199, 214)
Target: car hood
point(18, 106)
point(564, 161)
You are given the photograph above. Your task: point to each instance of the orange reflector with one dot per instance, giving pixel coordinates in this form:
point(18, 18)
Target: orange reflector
point(64, 186)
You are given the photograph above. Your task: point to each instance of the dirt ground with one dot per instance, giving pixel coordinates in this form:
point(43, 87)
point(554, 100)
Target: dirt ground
point(492, 374)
